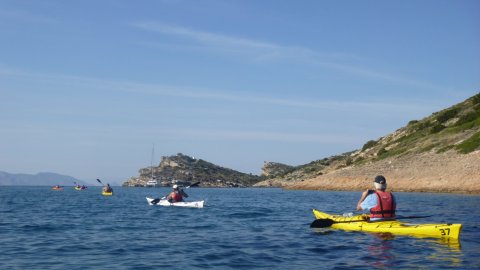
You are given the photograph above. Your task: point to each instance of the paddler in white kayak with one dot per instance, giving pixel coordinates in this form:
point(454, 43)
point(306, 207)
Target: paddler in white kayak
point(380, 203)
point(176, 195)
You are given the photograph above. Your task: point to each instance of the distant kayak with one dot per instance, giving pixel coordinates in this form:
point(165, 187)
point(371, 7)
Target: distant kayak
point(57, 188)
point(196, 204)
point(104, 193)
point(362, 223)
point(80, 188)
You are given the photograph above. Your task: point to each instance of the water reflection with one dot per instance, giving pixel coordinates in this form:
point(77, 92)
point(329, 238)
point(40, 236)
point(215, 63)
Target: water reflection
point(385, 254)
point(452, 255)
point(323, 231)
point(380, 250)
point(454, 244)
point(384, 236)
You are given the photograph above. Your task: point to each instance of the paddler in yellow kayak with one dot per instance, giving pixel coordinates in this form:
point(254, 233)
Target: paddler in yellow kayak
point(380, 203)
point(107, 189)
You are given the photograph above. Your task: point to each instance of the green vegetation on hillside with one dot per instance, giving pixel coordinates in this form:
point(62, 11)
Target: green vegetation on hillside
point(438, 132)
point(369, 144)
point(469, 145)
point(456, 128)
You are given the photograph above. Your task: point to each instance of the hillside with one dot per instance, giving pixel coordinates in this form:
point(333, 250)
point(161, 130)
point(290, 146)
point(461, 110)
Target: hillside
point(440, 153)
point(186, 169)
point(39, 179)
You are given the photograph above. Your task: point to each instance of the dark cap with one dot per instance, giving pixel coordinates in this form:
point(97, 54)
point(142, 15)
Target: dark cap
point(380, 179)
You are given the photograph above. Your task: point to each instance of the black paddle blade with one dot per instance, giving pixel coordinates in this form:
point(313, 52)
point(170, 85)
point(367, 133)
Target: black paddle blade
point(99, 181)
point(155, 201)
point(194, 184)
point(322, 223)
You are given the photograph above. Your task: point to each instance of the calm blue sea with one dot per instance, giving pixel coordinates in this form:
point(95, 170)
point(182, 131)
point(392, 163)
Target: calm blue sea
point(238, 229)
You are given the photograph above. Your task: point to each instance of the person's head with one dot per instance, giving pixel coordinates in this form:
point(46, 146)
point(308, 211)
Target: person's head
point(380, 182)
point(175, 187)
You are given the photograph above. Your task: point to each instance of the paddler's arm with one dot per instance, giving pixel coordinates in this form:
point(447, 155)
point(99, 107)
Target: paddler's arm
point(364, 195)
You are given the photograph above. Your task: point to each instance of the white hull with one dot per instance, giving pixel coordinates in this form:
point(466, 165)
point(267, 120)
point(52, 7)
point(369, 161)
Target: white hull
point(197, 204)
point(151, 183)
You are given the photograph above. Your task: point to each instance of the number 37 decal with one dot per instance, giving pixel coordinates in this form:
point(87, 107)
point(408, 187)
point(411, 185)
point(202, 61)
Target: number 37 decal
point(445, 231)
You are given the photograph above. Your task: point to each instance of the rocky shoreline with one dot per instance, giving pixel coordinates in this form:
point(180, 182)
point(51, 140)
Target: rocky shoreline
point(447, 172)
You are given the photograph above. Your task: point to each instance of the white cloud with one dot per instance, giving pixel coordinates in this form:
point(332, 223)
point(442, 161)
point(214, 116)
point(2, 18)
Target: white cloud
point(268, 51)
point(94, 84)
point(24, 16)
point(205, 37)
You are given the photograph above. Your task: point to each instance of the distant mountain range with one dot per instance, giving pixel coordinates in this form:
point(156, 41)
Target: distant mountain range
point(39, 179)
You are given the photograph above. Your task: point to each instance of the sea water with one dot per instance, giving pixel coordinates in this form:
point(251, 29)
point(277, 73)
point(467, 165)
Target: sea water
point(238, 229)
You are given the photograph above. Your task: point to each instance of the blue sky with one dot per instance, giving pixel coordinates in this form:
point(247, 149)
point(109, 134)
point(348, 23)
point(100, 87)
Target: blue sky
point(87, 87)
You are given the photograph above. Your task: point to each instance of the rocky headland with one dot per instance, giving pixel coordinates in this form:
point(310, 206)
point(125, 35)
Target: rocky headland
point(440, 153)
point(426, 172)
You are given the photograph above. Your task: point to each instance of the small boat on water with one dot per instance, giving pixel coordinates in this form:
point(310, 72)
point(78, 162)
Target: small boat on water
point(151, 183)
point(80, 187)
point(106, 193)
point(163, 202)
point(362, 223)
point(57, 187)
point(107, 189)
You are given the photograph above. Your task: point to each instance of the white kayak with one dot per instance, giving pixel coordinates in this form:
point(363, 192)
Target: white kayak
point(196, 204)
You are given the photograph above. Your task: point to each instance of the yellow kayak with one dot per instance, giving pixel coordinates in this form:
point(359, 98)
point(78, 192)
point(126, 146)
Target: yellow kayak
point(362, 223)
point(104, 193)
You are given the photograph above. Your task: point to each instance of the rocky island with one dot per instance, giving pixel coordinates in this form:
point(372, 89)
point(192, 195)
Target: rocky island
point(184, 169)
